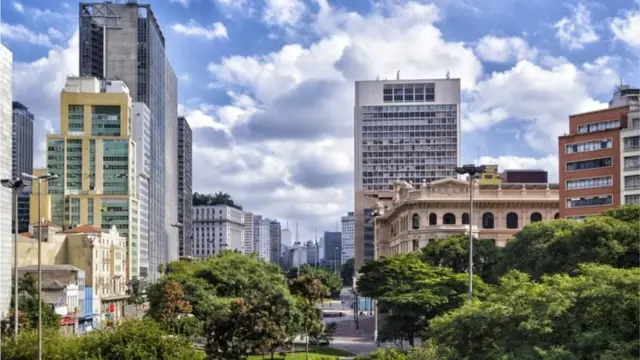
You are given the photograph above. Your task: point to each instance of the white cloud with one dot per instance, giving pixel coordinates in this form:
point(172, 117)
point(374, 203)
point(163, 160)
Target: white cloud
point(548, 163)
point(504, 49)
point(576, 31)
point(185, 78)
point(627, 27)
point(184, 3)
point(214, 31)
point(283, 12)
point(20, 33)
point(18, 7)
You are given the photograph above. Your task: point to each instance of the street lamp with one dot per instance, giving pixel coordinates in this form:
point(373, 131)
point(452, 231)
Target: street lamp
point(374, 303)
point(472, 171)
point(16, 185)
point(40, 179)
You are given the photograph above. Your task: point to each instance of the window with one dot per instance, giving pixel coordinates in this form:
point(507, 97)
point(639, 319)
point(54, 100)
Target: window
point(556, 216)
point(487, 220)
point(449, 219)
point(589, 164)
point(433, 219)
point(535, 217)
point(512, 220)
point(465, 219)
point(632, 182)
point(601, 181)
point(416, 245)
point(631, 143)
point(589, 146)
point(415, 219)
point(631, 163)
point(632, 199)
point(599, 126)
point(601, 200)
point(635, 123)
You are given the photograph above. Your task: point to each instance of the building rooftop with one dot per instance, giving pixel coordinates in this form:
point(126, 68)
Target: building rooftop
point(83, 229)
point(57, 267)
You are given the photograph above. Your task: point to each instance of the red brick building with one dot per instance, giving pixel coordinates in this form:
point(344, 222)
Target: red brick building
point(589, 162)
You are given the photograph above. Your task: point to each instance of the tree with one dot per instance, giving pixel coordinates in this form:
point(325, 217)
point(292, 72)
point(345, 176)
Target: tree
point(312, 290)
point(227, 332)
point(453, 253)
point(168, 304)
point(331, 281)
point(219, 198)
point(626, 213)
point(562, 317)
point(28, 308)
point(347, 272)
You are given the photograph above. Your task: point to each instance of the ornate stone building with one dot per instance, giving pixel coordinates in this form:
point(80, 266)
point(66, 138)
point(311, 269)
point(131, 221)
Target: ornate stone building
point(429, 212)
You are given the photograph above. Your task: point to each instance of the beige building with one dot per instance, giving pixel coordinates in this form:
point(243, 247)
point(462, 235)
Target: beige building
point(101, 255)
point(44, 200)
point(429, 212)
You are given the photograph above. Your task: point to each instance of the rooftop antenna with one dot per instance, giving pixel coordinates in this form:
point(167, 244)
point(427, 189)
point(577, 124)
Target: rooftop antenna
point(448, 75)
point(398, 75)
point(377, 77)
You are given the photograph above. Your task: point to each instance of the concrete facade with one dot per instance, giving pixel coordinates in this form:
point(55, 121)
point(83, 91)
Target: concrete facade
point(39, 197)
point(142, 136)
point(22, 157)
point(275, 242)
point(347, 229)
point(248, 233)
point(217, 228)
point(429, 212)
point(6, 196)
point(333, 248)
point(95, 156)
point(404, 129)
point(630, 146)
point(185, 187)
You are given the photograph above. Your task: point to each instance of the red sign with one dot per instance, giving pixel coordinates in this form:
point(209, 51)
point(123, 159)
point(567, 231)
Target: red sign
point(112, 308)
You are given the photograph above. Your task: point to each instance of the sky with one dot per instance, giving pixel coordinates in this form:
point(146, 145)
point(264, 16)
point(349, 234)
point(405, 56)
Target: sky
point(268, 85)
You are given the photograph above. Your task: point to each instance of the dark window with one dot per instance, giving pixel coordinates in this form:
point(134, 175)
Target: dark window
point(449, 219)
point(416, 245)
point(556, 216)
point(512, 220)
point(487, 220)
point(415, 219)
point(433, 219)
point(535, 217)
point(465, 219)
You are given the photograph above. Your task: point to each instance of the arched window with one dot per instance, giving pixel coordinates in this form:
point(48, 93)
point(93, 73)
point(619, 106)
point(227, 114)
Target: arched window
point(512, 220)
point(465, 219)
point(535, 217)
point(556, 216)
point(416, 245)
point(449, 219)
point(415, 221)
point(487, 220)
point(433, 219)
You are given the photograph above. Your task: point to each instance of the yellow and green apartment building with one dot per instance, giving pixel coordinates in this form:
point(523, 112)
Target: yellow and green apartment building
point(94, 154)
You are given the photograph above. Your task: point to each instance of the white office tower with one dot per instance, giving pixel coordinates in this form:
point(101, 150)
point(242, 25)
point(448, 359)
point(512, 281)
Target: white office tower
point(248, 233)
point(261, 236)
point(629, 144)
point(217, 228)
point(142, 138)
point(287, 240)
point(6, 131)
point(348, 237)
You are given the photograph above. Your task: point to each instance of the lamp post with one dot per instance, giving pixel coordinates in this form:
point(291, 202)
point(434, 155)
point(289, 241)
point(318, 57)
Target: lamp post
point(40, 179)
point(374, 303)
point(16, 185)
point(472, 171)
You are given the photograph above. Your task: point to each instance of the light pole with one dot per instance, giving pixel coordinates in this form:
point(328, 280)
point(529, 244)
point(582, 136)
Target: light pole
point(40, 179)
point(16, 185)
point(472, 171)
point(374, 302)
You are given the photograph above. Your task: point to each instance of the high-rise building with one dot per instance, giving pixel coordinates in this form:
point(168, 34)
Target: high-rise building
point(22, 157)
point(6, 241)
point(95, 155)
point(347, 223)
point(248, 233)
point(142, 137)
point(124, 41)
point(333, 248)
point(185, 183)
point(261, 236)
point(217, 228)
point(404, 129)
point(599, 157)
point(275, 242)
point(287, 237)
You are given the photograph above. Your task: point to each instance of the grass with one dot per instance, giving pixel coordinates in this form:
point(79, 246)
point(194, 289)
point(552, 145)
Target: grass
point(315, 353)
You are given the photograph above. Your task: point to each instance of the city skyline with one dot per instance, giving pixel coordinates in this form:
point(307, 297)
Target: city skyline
point(286, 170)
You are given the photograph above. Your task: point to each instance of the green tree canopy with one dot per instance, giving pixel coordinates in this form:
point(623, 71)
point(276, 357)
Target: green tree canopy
point(219, 198)
point(347, 272)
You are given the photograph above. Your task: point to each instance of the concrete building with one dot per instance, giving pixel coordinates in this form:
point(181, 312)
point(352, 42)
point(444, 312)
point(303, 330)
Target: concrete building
point(217, 228)
point(300, 254)
point(22, 157)
point(248, 233)
point(491, 176)
point(142, 137)
point(347, 227)
point(429, 212)
point(261, 236)
point(124, 41)
point(101, 255)
point(185, 187)
point(592, 160)
point(275, 242)
point(287, 237)
point(525, 176)
point(95, 156)
point(404, 129)
point(6, 196)
point(629, 145)
point(39, 197)
point(333, 248)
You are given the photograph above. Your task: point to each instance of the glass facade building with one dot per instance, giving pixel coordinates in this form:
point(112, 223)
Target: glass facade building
point(185, 183)
point(22, 157)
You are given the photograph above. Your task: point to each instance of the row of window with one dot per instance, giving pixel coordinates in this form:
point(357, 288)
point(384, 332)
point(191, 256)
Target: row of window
point(632, 182)
point(600, 200)
point(631, 163)
point(589, 164)
point(631, 143)
point(589, 146)
point(599, 126)
point(595, 182)
point(488, 221)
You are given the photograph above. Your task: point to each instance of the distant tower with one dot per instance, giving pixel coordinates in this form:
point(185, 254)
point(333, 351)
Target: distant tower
point(297, 233)
point(398, 75)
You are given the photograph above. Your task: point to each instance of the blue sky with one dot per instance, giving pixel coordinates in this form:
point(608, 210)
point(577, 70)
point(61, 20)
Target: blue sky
point(267, 85)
